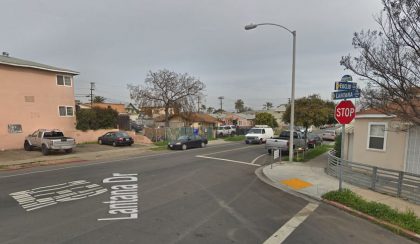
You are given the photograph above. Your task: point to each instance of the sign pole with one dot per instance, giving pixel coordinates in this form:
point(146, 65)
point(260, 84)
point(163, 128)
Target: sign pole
point(343, 133)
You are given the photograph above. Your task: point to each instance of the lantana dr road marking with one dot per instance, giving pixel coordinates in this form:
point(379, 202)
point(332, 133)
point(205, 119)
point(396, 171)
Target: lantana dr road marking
point(123, 200)
point(50, 195)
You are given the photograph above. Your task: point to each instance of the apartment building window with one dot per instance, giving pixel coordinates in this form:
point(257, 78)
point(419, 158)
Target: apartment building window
point(65, 111)
point(63, 80)
point(377, 136)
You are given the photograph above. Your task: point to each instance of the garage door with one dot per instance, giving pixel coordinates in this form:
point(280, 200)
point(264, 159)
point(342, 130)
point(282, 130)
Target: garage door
point(413, 151)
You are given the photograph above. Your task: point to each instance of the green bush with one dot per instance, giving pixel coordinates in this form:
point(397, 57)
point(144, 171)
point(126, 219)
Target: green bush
point(407, 220)
point(337, 146)
point(96, 118)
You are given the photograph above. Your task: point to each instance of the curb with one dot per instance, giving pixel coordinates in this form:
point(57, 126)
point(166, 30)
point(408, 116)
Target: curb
point(400, 230)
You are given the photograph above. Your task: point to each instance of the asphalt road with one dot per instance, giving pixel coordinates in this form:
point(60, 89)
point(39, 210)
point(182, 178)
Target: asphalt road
point(180, 198)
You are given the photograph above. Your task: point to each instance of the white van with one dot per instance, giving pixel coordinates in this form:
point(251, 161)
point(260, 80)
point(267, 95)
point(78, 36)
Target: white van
point(259, 134)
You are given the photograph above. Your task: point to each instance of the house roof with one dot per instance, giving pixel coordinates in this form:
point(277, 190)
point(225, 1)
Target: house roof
point(119, 107)
point(6, 60)
point(372, 113)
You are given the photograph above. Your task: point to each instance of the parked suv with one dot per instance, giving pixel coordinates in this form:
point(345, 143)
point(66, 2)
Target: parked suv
point(226, 130)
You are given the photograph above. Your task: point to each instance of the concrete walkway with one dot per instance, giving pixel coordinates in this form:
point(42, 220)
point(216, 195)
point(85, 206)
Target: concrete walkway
point(311, 180)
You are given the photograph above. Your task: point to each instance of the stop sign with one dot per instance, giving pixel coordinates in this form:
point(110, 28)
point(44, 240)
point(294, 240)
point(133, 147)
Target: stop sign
point(345, 112)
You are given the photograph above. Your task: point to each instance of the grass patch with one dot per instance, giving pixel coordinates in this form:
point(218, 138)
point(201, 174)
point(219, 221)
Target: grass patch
point(161, 143)
point(235, 138)
point(160, 146)
point(407, 220)
point(310, 154)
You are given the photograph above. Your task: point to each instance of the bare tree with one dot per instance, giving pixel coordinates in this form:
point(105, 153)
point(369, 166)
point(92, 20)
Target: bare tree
point(168, 89)
point(390, 60)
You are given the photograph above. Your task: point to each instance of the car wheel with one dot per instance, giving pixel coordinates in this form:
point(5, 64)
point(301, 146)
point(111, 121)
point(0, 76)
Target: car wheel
point(184, 146)
point(44, 150)
point(69, 150)
point(27, 146)
point(261, 141)
point(130, 144)
point(221, 134)
point(246, 142)
point(203, 144)
point(100, 142)
point(114, 144)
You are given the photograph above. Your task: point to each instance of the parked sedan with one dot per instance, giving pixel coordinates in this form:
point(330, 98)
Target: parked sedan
point(314, 140)
point(116, 138)
point(329, 135)
point(185, 142)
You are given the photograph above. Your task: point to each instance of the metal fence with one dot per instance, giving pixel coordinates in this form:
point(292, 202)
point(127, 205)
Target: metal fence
point(392, 182)
point(170, 134)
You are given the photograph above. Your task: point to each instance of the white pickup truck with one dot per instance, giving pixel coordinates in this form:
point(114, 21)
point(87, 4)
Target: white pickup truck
point(282, 142)
point(49, 140)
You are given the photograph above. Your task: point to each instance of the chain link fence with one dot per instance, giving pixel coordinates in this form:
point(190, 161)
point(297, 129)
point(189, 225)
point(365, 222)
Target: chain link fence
point(171, 134)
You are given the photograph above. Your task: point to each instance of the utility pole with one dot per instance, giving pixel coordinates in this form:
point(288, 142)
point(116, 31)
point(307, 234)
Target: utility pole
point(221, 102)
point(92, 88)
point(198, 104)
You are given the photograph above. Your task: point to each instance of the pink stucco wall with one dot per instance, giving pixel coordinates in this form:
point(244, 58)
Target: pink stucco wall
point(16, 83)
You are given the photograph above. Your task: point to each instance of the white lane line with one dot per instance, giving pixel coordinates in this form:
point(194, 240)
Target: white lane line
point(228, 160)
point(255, 160)
point(229, 150)
point(280, 235)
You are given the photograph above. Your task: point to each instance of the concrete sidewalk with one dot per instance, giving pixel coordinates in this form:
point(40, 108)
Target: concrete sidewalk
point(311, 180)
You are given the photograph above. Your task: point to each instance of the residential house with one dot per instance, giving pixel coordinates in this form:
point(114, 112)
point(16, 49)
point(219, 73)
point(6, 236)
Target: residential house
point(239, 119)
point(157, 111)
point(132, 111)
point(33, 96)
point(383, 140)
point(119, 107)
point(195, 120)
point(277, 113)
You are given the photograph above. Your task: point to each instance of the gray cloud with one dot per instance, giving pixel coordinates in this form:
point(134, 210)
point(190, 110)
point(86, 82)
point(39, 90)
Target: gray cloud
point(113, 43)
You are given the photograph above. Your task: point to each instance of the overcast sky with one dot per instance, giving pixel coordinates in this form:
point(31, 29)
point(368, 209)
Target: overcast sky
point(115, 43)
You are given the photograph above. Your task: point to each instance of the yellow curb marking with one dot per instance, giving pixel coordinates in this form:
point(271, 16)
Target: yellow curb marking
point(296, 183)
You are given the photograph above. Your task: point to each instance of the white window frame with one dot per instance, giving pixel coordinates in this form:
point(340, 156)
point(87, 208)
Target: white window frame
point(66, 107)
point(64, 80)
point(385, 136)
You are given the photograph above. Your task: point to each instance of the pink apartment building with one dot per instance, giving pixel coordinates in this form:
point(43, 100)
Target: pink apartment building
point(33, 96)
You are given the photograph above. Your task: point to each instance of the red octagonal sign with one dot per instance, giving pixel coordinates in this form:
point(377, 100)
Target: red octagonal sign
point(345, 112)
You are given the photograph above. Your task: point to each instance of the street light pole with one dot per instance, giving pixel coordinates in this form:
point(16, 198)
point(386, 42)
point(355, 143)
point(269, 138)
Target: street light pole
point(292, 102)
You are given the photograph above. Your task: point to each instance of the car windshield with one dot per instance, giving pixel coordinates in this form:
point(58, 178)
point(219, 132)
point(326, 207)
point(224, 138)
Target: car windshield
point(254, 131)
point(49, 134)
point(182, 138)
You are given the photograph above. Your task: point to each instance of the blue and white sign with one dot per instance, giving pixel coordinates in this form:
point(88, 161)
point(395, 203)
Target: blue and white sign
point(346, 78)
point(346, 94)
point(345, 86)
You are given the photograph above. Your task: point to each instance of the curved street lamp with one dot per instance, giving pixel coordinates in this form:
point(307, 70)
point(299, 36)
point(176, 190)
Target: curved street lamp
point(292, 100)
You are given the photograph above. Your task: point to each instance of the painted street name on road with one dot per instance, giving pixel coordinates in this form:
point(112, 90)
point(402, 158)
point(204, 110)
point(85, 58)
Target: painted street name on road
point(123, 202)
point(50, 195)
